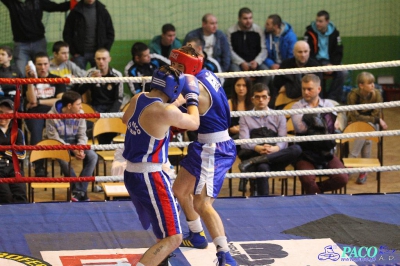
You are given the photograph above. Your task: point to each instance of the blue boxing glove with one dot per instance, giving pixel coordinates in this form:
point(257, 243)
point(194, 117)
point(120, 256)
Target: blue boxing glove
point(191, 90)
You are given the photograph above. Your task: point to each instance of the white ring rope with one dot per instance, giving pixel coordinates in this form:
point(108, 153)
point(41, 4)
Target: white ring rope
point(387, 133)
point(258, 73)
point(285, 173)
point(336, 109)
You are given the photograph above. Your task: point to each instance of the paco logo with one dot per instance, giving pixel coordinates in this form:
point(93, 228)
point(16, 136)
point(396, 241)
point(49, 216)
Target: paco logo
point(357, 254)
point(17, 260)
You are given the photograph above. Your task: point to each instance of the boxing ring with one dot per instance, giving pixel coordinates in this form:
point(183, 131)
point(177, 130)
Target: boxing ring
point(296, 230)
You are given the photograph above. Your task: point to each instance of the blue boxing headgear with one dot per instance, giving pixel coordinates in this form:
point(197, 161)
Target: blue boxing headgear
point(168, 80)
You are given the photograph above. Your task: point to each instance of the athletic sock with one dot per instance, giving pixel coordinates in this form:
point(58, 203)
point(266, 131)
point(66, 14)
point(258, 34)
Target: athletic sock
point(195, 226)
point(139, 264)
point(221, 243)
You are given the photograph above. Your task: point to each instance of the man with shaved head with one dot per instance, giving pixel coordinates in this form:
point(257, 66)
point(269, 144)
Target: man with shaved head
point(291, 83)
point(214, 41)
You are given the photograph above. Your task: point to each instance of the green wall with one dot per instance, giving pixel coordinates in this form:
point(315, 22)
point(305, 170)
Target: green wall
point(373, 49)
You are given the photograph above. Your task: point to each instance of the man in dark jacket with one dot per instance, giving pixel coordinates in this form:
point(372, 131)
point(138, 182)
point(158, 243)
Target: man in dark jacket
point(8, 70)
point(247, 43)
point(326, 46)
point(27, 27)
point(317, 154)
point(291, 83)
point(10, 193)
point(88, 28)
point(106, 97)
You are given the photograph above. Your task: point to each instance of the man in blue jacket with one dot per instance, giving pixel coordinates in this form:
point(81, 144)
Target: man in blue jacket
point(214, 41)
point(279, 40)
point(326, 46)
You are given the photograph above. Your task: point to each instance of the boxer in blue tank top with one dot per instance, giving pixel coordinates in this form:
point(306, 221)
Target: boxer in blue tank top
point(208, 159)
point(148, 118)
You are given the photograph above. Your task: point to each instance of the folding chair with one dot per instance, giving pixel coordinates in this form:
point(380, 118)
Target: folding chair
point(282, 99)
point(363, 162)
point(107, 125)
point(125, 107)
point(53, 155)
point(88, 109)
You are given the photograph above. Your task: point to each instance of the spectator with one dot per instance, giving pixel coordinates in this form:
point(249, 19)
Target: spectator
point(88, 28)
point(326, 46)
point(209, 63)
point(317, 154)
point(365, 93)
point(247, 45)
point(163, 44)
point(13, 192)
point(8, 70)
point(61, 66)
point(106, 97)
point(213, 41)
point(142, 64)
point(291, 83)
point(268, 156)
point(40, 98)
point(72, 131)
point(279, 40)
point(28, 29)
point(241, 100)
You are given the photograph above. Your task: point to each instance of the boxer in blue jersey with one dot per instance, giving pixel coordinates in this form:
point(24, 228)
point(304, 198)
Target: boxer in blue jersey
point(209, 158)
point(148, 118)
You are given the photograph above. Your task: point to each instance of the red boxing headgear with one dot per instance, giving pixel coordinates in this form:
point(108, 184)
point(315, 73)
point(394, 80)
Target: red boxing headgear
point(192, 64)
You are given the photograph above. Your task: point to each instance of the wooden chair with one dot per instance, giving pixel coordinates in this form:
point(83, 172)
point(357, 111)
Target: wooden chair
point(125, 107)
point(288, 107)
point(88, 109)
point(290, 128)
point(284, 180)
point(282, 99)
point(107, 125)
point(363, 162)
point(53, 155)
point(87, 97)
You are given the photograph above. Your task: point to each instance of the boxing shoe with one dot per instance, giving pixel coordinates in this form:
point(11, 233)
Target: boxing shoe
point(195, 240)
point(244, 165)
point(225, 259)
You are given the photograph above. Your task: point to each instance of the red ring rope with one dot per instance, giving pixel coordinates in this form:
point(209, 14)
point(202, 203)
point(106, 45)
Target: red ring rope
point(11, 180)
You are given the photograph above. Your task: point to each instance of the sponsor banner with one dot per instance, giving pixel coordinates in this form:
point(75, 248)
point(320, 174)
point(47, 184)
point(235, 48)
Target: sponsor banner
point(12, 259)
point(247, 253)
